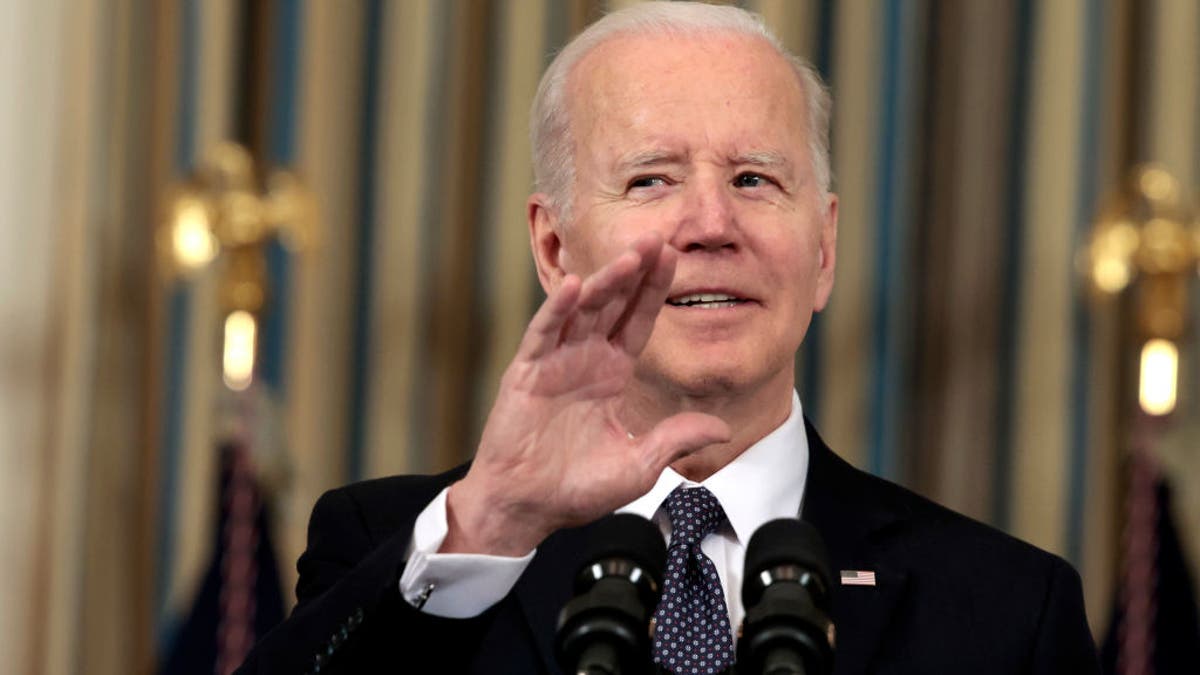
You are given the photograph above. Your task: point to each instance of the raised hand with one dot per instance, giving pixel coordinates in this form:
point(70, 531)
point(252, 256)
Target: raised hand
point(554, 452)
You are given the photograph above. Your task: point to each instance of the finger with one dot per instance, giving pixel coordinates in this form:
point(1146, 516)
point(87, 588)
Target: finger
point(633, 329)
point(599, 291)
point(612, 315)
point(545, 329)
point(680, 435)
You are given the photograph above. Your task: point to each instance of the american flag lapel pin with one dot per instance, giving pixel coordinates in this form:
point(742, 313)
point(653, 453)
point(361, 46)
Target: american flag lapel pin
point(858, 578)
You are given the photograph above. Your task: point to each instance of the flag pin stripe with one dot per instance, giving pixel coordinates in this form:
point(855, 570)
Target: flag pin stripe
point(858, 578)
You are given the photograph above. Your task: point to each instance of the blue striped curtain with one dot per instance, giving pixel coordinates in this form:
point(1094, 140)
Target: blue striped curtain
point(972, 145)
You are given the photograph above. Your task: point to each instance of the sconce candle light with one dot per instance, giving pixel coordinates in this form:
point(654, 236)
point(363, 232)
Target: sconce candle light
point(221, 215)
point(1148, 241)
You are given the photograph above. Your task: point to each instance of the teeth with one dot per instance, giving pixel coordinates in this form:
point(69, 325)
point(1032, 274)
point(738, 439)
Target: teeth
point(705, 300)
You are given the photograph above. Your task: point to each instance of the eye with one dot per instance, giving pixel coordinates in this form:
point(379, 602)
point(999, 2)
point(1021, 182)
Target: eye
point(750, 180)
point(646, 182)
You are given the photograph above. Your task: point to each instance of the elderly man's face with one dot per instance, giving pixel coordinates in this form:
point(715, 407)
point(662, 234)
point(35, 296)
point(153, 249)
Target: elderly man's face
point(704, 141)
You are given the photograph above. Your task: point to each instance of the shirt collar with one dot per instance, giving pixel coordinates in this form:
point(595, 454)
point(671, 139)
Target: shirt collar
point(763, 483)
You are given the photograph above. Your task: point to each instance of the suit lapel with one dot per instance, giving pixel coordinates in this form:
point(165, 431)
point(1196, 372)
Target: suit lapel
point(546, 586)
point(859, 525)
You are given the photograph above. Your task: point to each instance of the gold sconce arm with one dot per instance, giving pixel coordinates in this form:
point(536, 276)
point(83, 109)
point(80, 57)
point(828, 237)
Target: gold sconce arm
point(1147, 241)
point(222, 214)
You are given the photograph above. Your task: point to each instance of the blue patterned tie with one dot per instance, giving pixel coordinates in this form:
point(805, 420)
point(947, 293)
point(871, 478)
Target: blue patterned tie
point(691, 632)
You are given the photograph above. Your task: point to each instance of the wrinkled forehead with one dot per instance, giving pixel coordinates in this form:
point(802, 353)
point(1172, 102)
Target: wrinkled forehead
point(724, 86)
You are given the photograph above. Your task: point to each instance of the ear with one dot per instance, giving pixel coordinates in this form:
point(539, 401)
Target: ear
point(827, 253)
point(545, 240)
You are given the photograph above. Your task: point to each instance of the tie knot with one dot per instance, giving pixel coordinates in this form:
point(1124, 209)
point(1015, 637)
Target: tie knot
point(694, 512)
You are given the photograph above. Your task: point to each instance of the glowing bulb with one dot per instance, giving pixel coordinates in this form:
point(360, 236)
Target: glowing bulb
point(192, 239)
point(1159, 370)
point(1111, 255)
point(240, 333)
point(1111, 274)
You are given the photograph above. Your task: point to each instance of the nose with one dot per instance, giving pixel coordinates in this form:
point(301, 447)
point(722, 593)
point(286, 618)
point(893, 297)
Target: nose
point(707, 221)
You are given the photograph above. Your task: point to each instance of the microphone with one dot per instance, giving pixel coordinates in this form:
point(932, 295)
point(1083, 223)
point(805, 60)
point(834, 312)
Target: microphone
point(787, 630)
point(604, 628)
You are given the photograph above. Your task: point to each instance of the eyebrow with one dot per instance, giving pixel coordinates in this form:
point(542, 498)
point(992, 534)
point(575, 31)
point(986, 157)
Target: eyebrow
point(647, 158)
point(767, 159)
point(764, 158)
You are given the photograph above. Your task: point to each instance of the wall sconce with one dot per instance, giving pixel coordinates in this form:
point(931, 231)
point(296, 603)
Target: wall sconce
point(1147, 241)
point(221, 214)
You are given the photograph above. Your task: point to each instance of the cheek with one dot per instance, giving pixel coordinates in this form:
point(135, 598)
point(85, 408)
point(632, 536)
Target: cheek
point(795, 262)
point(592, 243)
point(794, 268)
point(582, 253)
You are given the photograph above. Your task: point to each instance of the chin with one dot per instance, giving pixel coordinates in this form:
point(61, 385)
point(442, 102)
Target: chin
point(700, 370)
point(702, 385)
point(688, 381)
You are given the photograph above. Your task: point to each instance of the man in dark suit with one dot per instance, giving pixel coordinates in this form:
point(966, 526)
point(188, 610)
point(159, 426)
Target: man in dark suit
point(684, 232)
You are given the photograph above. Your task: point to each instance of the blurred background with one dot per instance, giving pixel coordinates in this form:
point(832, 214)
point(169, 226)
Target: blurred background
point(196, 341)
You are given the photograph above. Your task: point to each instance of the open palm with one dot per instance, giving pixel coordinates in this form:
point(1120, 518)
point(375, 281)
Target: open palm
point(554, 452)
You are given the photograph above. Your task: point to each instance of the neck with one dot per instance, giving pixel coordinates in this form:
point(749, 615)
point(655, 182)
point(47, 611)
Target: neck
point(751, 415)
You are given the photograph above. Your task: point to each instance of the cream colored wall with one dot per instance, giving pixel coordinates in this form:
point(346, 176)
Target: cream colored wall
point(31, 40)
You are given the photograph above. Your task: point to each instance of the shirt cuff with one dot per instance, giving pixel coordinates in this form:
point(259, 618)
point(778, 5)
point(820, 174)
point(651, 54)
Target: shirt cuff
point(453, 585)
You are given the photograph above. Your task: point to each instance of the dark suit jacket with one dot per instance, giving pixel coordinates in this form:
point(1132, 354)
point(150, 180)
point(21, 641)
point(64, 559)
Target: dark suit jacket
point(951, 595)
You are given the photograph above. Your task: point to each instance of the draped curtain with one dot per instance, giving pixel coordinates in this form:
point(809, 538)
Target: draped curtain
point(961, 355)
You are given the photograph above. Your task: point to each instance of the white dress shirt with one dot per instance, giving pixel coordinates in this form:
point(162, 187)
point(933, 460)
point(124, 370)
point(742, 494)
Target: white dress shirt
point(763, 483)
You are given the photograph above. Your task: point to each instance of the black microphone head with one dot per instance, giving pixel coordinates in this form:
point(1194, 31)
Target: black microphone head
point(604, 628)
point(629, 537)
point(782, 542)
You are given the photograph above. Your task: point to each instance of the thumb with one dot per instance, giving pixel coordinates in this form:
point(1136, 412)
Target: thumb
point(681, 435)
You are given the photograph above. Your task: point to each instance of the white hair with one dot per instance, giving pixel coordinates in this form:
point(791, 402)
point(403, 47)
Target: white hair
point(549, 126)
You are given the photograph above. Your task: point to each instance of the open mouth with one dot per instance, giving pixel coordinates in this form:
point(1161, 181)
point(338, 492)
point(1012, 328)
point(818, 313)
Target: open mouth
point(706, 300)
